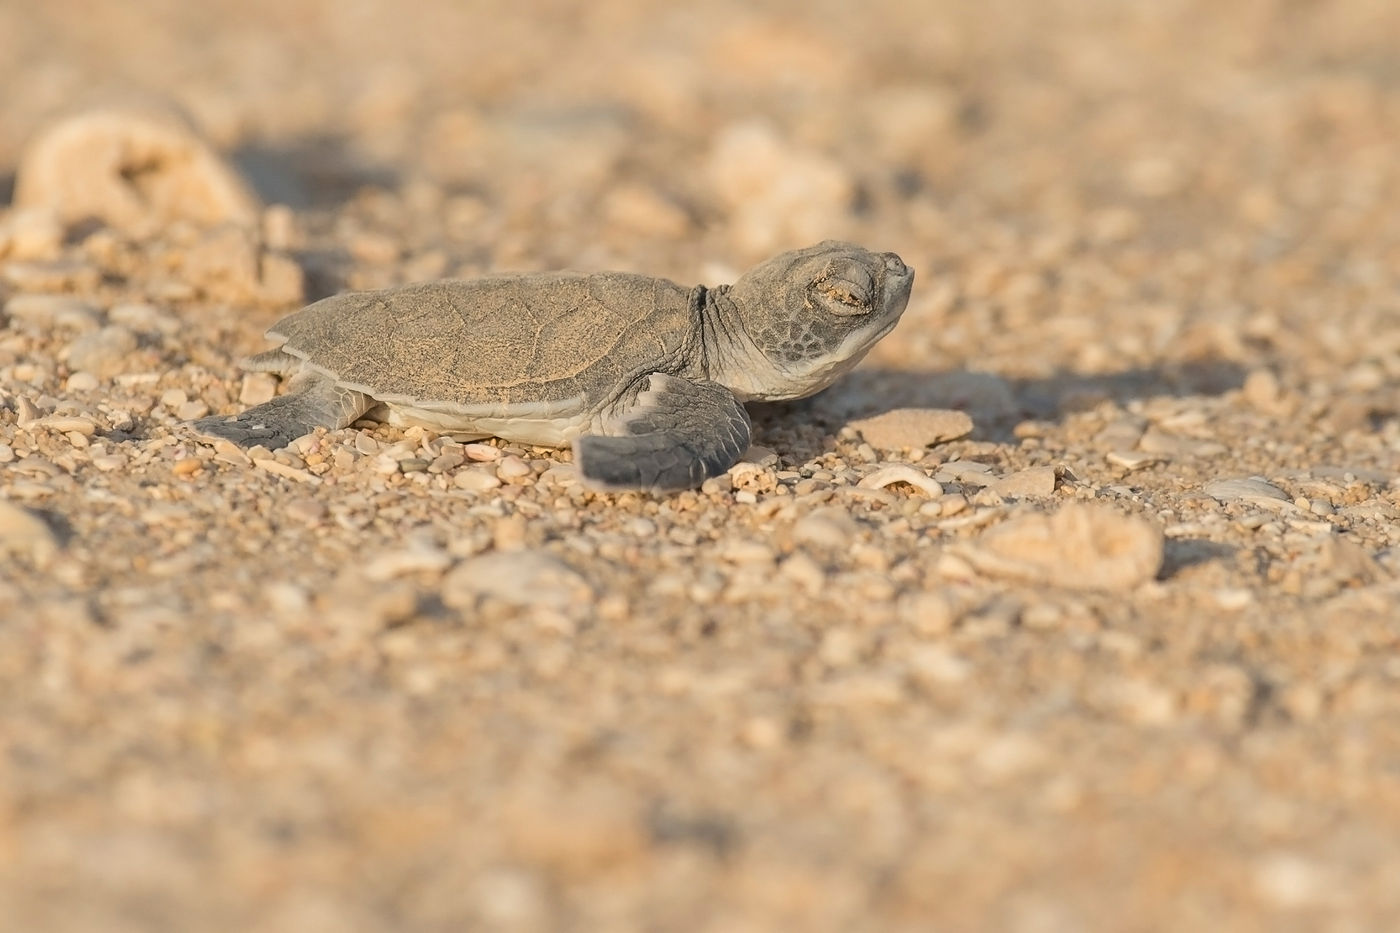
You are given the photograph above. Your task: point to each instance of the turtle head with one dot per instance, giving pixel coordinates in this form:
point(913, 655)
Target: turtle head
point(810, 315)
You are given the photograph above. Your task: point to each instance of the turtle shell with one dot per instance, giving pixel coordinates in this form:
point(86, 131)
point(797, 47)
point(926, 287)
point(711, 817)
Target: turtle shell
point(564, 342)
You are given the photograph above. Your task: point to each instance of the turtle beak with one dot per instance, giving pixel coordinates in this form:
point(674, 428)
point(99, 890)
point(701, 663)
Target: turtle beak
point(899, 280)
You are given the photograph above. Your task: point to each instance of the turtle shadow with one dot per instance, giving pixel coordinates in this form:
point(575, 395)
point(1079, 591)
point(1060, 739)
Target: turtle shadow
point(310, 172)
point(313, 175)
point(996, 404)
point(1181, 554)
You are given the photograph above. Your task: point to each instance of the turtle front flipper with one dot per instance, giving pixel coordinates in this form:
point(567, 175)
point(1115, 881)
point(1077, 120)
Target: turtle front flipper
point(675, 435)
point(312, 401)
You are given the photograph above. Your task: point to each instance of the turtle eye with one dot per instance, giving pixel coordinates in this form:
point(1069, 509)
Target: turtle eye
point(845, 289)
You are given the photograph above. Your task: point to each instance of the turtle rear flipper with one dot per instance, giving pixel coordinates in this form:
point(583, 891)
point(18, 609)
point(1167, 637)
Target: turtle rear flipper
point(675, 436)
point(312, 401)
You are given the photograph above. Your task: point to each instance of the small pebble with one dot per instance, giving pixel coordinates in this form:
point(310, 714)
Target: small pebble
point(476, 480)
point(1254, 487)
point(513, 468)
point(913, 428)
point(192, 410)
point(64, 424)
point(1033, 483)
point(1131, 460)
point(482, 453)
point(257, 388)
point(899, 473)
point(81, 382)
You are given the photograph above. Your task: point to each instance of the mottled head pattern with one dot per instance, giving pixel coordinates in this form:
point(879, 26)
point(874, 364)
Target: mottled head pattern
point(813, 313)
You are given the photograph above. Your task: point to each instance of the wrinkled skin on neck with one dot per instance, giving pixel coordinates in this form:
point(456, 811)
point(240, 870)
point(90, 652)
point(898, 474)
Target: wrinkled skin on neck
point(794, 324)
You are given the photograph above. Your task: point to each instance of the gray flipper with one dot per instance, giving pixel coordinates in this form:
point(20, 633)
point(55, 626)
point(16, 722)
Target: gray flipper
point(276, 360)
point(675, 436)
point(312, 401)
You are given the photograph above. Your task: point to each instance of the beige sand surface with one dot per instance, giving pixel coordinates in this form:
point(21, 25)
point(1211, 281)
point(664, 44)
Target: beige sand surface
point(1130, 665)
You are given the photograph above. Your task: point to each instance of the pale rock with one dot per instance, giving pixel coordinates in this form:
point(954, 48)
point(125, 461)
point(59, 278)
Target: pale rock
point(137, 169)
point(971, 472)
point(513, 467)
point(518, 578)
point(257, 388)
point(65, 424)
point(1132, 460)
point(952, 505)
point(1122, 433)
point(759, 455)
point(913, 428)
point(1247, 489)
point(286, 471)
point(104, 353)
point(385, 464)
point(481, 453)
point(81, 382)
point(1081, 546)
point(1032, 483)
point(191, 411)
point(477, 480)
point(900, 473)
point(24, 534)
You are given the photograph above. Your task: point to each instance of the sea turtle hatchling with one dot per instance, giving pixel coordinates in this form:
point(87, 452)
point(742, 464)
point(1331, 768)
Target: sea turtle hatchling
point(644, 377)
